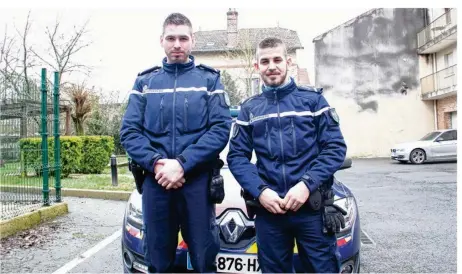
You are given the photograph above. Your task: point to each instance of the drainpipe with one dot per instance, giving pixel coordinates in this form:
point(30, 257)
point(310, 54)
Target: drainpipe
point(435, 86)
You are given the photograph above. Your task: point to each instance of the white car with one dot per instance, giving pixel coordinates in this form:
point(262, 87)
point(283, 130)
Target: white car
point(440, 145)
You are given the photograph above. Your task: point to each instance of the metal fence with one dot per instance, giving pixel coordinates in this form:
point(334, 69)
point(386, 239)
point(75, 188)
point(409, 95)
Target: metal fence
point(28, 109)
point(439, 26)
point(444, 80)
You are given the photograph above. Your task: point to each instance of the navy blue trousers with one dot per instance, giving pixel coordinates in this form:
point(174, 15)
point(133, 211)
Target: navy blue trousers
point(165, 212)
point(277, 235)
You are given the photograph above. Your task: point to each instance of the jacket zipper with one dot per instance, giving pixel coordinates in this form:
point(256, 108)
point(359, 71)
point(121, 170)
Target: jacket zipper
point(268, 138)
point(174, 118)
point(282, 144)
point(186, 113)
point(294, 140)
point(162, 113)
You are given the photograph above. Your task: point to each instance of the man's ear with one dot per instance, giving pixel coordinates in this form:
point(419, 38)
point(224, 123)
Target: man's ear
point(255, 65)
point(289, 61)
point(161, 40)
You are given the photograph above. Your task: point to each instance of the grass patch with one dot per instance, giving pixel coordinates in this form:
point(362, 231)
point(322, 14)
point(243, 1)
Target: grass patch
point(10, 175)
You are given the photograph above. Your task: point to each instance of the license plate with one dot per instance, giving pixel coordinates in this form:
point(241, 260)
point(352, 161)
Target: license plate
point(233, 263)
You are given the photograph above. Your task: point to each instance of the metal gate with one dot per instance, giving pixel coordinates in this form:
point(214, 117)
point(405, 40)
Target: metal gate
point(29, 110)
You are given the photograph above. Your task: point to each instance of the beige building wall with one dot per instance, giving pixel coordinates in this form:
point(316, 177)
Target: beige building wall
point(400, 118)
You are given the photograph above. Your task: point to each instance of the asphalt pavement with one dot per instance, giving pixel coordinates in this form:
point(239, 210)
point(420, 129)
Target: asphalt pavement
point(408, 211)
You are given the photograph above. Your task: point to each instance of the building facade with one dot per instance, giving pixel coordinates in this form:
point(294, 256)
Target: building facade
point(437, 48)
point(369, 69)
point(233, 50)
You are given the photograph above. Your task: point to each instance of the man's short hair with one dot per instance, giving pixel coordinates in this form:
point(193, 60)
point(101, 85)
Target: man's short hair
point(177, 19)
point(272, 42)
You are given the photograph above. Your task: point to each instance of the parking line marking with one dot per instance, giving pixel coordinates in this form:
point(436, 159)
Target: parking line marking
point(90, 252)
point(366, 240)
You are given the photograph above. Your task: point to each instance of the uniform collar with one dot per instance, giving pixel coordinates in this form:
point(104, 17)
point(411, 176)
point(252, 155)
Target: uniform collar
point(179, 67)
point(279, 91)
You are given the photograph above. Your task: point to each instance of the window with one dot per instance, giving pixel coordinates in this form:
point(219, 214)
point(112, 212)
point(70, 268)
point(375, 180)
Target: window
point(448, 136)
point(255, 85)
point(449, 59)
point(448, 15)
point(430, 136)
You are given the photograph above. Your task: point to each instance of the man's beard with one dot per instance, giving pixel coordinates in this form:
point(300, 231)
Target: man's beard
point(273, 84)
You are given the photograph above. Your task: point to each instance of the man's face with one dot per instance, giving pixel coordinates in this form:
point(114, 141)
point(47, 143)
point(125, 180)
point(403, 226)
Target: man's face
point(272, 65)
point(177, 43)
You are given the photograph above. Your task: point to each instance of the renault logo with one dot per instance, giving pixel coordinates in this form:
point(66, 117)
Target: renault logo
point(232, 227)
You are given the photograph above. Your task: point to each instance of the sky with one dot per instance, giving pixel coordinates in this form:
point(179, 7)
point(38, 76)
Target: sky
point(125, 40)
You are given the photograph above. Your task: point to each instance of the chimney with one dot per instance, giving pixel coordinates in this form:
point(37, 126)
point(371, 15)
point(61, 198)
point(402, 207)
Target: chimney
point(232, 28)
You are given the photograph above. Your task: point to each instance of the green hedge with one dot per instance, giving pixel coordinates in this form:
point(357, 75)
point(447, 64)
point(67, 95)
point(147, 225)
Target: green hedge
point(96, 153)
point(82, 154)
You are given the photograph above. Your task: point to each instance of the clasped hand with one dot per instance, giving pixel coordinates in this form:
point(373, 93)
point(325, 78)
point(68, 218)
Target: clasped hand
point(294, 199)
point(169, 173)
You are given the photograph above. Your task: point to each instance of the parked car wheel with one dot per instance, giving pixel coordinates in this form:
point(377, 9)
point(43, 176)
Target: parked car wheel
point(417, 156)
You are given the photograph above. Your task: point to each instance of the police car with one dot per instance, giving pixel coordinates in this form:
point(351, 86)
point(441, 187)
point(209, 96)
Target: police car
point(238, 252)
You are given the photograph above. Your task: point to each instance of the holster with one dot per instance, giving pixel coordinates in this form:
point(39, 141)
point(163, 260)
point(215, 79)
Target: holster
point(251, 204)
point(216, 186)
point(138, 173)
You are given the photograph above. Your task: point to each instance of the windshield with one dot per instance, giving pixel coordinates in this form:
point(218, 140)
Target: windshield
point(430, 136)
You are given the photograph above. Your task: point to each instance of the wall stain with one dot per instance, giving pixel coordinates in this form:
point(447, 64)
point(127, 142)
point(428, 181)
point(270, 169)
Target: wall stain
point(374, 55)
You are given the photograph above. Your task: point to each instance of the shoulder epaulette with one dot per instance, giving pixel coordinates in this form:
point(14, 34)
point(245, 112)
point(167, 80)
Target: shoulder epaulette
point(310, 88)
point(156, 68)
point(205, 67)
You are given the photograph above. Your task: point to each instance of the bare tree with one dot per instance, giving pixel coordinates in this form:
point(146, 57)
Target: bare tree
point(60, 57)
point(26, 61)
point(63, 47)
point(244, 54)
point(15, 61)
point(9, 56)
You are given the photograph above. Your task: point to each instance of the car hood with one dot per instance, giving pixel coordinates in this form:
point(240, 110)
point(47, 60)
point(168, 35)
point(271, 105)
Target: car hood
point(411, 145)
point(233, 197)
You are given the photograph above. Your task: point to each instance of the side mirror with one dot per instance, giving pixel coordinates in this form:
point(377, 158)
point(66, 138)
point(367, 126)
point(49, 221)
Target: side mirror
point(439, 139)
point(346, 164)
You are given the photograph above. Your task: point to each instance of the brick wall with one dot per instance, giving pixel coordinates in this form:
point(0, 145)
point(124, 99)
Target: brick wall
point(444, 107)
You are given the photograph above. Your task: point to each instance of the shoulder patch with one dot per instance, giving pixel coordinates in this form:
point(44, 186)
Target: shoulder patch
point(153, 69)
point(205, 67)
point(310, 88)
point(333, 114)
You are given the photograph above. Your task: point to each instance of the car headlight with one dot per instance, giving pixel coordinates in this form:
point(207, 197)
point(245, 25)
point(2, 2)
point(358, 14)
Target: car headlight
point(349, 205)
point(134, 214)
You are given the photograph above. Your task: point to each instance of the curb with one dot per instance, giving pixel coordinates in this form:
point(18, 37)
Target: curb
point(80, 193)
point(96, 194)
point(29, 220)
